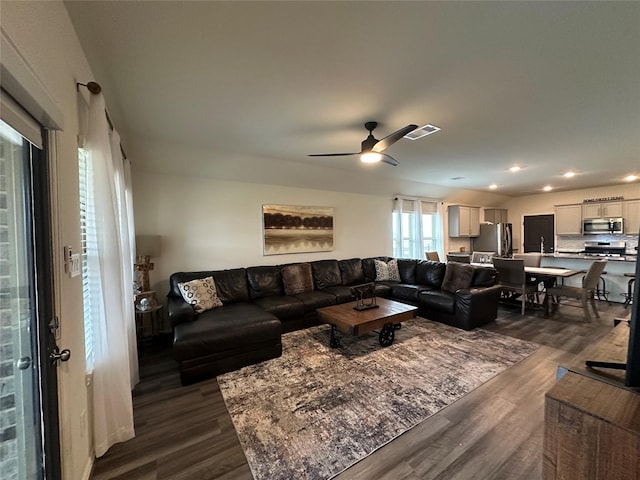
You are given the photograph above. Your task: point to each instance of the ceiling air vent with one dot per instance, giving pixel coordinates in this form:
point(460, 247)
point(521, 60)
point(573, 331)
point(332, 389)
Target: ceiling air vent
point(428, 129)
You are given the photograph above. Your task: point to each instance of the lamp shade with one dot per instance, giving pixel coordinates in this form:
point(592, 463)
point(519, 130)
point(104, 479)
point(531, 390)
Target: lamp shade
point(148, 245)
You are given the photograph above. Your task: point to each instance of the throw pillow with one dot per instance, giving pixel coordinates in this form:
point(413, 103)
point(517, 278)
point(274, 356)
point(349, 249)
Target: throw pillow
point(201, 294)
point(457, 276)
point(297, 278)
point(387, 271)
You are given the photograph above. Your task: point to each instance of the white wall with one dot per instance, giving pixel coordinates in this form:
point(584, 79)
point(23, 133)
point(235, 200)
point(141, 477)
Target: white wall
point(544, 203)
point(43, 35)
point(208, 224)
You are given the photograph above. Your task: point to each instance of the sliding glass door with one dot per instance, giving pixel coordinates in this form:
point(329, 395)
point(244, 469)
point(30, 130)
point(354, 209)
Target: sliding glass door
point(28, 394)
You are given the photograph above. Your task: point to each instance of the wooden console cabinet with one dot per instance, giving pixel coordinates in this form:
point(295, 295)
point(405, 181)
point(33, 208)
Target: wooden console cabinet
point(592, 421)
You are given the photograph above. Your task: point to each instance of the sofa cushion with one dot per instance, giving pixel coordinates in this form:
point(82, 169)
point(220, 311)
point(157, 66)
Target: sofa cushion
point(383, 290)
point(341, 292)
point(326, 273)
point(406, 292)
point(315, 299)
point(484, 276)
point(232, 285)
point(430, 273)
point(224, 329)
point(201, 294)
point(264, 281)
point(351, 271)
point(284, 307)
point(387, 271)
point(407, 270)
point(437, 300)
point(457, 275)
point(297, 278)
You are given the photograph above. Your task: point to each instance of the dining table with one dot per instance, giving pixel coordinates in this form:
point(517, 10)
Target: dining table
point(548, 276)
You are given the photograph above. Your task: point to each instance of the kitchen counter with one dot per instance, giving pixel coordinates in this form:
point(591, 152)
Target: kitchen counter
point(629, 257)
point(616, 282)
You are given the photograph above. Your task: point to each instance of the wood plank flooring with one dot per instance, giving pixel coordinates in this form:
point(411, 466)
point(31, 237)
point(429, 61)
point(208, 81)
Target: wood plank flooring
point(495, 432)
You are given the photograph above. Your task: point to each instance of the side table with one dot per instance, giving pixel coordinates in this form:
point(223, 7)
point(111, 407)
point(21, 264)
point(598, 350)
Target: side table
point(155, 315)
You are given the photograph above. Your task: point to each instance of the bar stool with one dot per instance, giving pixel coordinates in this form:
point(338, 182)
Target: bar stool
point(601, 292)
point(629, 295)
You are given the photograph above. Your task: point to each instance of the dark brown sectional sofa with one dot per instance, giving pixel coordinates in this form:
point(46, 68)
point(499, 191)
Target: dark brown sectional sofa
point(260, 303)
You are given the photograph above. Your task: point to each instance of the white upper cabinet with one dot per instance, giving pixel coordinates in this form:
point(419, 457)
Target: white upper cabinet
point(569, 219)
point(464, 221)
point(631, 215)
point(602, 210)
point(495, 215)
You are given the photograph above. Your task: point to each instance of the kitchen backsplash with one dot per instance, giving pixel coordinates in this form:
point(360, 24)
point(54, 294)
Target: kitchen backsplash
point(576, 242)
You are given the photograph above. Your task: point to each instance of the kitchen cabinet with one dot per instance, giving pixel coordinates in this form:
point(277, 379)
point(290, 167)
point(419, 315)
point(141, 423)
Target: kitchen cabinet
point(568, 219)
point(631, 215)
point(464, 221)
point(495, 215)
point(602, 210)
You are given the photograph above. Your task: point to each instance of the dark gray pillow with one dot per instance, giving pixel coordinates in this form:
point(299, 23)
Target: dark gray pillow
point(457, 276)
point(297, 278)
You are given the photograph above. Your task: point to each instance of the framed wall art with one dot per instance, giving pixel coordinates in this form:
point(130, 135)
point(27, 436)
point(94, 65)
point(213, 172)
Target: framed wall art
point(297, 229)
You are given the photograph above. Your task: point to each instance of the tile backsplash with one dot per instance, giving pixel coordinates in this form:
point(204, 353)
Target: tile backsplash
point(576, 242)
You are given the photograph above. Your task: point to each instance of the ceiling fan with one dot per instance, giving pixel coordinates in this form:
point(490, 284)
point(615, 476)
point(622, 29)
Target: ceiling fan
point(372, 149)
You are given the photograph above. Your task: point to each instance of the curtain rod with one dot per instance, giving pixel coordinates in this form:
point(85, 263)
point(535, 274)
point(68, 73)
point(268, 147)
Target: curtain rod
point(95, 89)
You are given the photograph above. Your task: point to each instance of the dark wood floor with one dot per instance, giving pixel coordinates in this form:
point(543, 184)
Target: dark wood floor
point(493, 432)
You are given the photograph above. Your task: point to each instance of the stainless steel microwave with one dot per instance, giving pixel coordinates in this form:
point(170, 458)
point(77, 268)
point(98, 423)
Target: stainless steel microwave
point(595, 226)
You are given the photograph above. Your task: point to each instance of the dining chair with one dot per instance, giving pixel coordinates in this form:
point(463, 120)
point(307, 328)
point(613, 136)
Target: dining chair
point(586, 293)
point(482, 257)
point(512, 278)
point(432, 256)
point(458, 258)
point(531, 260)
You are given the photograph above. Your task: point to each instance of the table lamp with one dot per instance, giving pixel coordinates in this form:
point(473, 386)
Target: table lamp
point(147, 246)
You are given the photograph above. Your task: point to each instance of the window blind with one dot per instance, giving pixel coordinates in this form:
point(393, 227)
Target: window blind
point(88, 243)
point(15, 116)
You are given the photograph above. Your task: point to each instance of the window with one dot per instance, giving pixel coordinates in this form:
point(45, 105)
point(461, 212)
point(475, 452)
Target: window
point(416, 228)
point(88, 244)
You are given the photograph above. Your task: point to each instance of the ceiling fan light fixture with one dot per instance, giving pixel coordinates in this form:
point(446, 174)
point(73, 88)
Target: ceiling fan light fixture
point(370, 157)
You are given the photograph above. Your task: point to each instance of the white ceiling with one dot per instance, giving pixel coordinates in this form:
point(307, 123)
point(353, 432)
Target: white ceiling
point(549, 86)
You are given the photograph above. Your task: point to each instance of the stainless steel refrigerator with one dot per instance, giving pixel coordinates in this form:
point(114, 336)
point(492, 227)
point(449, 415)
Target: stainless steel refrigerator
point(494, 237)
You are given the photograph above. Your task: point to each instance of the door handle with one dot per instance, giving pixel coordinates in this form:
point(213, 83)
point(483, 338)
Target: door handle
point(59, 356)
point(24, 363)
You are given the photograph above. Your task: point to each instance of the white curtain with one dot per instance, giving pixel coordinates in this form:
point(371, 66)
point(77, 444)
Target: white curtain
point(115, 368)
point(407, 218)
point(439, 227)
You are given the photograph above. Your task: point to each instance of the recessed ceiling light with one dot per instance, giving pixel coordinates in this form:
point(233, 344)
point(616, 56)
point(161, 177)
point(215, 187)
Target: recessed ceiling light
point(515, 168)
point(631, 178)
point(570, 174)
point(428, 129)
point(493, 186)
point(548, 188)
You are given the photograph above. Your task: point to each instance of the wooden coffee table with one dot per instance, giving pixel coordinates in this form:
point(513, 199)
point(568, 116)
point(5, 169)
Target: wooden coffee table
point(386, 317)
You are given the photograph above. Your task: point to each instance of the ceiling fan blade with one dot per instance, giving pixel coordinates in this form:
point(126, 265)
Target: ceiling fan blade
point(389, 140)
point(332, 154)
point(389, 160)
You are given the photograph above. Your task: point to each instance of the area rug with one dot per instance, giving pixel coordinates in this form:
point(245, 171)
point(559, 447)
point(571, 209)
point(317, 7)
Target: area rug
point(315, 411)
